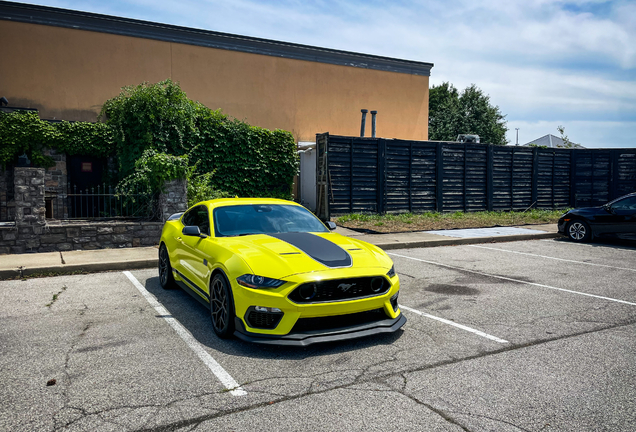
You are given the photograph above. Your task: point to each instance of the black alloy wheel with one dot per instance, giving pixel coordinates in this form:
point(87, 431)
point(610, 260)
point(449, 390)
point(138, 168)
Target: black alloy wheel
point(221, 307)
point(579, 231)
point(166, 279)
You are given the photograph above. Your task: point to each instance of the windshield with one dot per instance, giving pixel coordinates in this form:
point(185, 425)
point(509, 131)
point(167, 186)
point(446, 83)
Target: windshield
point(264, 219)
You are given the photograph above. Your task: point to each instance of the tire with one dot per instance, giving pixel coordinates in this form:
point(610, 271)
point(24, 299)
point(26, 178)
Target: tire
point(221, 307)
point(166, 279)
point(578, 231)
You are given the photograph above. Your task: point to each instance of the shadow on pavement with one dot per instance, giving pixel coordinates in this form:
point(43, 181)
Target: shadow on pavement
point(196, 319)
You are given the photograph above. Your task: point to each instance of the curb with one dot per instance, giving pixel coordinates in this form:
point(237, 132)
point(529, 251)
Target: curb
point(63, 269)
point(466, 241)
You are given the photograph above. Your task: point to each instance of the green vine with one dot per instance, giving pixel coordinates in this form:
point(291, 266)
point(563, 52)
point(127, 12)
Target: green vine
point(157, 133)
point(23, 132)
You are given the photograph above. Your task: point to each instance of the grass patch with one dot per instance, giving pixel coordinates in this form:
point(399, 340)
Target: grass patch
point(435, 221)
point(56, 296)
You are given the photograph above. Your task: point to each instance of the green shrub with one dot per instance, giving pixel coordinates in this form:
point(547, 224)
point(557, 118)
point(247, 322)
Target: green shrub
point(157, 134)
point(200, 188)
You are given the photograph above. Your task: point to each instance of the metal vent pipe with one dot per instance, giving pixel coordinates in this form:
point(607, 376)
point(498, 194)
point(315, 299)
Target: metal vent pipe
point(364, 121)
point(373, 113)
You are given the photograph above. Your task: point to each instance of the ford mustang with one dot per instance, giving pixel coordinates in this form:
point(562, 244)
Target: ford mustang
point(271, 272)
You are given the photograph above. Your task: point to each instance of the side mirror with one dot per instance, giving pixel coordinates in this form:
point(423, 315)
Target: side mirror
point(608, 208)
point(193, 231)
point(331, 225)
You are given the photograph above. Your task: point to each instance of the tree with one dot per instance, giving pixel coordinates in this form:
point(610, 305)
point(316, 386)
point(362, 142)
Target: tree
point(566, 141)
point(452, 113)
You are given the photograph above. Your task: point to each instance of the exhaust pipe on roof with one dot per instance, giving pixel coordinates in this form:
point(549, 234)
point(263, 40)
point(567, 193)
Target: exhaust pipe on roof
point(373, 113)
point(364, 121)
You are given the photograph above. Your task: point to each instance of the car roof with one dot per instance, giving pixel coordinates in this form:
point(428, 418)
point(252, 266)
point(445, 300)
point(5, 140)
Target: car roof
point(222, 202)
point(625, 196)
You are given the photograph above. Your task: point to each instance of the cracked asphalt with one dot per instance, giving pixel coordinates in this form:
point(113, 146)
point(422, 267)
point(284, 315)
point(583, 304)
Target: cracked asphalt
point(567, 312)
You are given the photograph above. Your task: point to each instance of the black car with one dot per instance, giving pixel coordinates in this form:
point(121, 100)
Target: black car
point(616, 218)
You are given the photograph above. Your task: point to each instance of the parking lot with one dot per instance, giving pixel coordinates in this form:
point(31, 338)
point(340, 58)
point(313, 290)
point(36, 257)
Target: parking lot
point(521, 336)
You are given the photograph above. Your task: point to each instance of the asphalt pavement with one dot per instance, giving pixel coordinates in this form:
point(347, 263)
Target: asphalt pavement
point(517, 336)
point(51, 263)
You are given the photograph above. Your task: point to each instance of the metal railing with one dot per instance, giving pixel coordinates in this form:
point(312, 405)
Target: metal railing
point(101, 202)
point(7, 208)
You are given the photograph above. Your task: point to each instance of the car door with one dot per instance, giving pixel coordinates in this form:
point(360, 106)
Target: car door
point(195, 259)
point(180, 254)
point(625, 212)
point(605, 221)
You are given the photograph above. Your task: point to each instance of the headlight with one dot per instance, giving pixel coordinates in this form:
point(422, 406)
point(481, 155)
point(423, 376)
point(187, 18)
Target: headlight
point(253, 281)
point(391, 272)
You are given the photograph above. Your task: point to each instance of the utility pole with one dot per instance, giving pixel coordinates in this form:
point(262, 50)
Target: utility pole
point(517, 129)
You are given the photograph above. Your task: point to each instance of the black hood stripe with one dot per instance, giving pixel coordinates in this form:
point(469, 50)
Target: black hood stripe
point(318, 248)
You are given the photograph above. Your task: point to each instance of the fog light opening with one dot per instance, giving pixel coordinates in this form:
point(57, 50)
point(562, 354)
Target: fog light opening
point(394, 301)
point(308, 291)
point(376, 284)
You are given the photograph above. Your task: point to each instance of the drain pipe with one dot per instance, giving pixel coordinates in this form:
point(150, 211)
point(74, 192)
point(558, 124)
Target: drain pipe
point(364, 121)
point(373, 113)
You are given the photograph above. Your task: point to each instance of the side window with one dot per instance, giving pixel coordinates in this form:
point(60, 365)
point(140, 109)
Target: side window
point(202, 219)
point(625, 204)
point(187, 218)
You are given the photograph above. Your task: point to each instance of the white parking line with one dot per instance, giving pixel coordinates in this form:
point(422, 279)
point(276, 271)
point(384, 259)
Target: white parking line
point(454, 324)
point(513, 280)
point(553, 258)
point(225, 378)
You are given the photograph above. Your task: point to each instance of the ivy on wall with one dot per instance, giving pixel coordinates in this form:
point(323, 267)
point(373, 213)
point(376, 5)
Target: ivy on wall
point(23, 132)
point(157, 133)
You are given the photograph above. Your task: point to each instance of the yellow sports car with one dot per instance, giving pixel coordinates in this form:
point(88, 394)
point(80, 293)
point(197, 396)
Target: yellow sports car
point(271, 272)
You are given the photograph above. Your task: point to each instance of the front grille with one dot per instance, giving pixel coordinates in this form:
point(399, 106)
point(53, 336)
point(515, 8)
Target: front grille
point(340, 289)
point(262, 320)
point(338, 321)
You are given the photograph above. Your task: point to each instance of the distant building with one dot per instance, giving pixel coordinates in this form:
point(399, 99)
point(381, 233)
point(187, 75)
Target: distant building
point(551, 141)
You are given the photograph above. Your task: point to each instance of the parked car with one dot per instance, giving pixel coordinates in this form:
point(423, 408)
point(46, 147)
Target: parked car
point(616, 218)
point(271, 272)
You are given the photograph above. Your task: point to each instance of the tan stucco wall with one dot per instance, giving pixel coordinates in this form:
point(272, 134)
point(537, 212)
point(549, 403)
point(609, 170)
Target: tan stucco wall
point(68, 74)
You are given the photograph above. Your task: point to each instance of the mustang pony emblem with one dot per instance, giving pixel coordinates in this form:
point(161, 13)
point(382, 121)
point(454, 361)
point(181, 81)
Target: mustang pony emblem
point(345, 287)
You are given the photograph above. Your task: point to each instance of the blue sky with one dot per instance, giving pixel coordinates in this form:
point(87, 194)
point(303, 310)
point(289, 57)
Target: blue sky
point(544, 63)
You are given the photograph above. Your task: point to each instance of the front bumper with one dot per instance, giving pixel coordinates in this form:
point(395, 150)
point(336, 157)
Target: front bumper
point(308, 337)
point(561, 226)
point(293, 313)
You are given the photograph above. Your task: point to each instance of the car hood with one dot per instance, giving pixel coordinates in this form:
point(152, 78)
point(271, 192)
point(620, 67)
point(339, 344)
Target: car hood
point(586, 211)
point(282, 255)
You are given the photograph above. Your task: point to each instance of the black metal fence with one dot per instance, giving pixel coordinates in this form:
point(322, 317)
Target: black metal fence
point(7, 205)
point(101, 202)
point(7, 208)
point(376, 175)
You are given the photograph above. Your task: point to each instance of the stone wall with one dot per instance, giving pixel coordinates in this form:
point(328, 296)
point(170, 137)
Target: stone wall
point(29, 198)
point(173, 199)
point(33, 233)
point(65, 236)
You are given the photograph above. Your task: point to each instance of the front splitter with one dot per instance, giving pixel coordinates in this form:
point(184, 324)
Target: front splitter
point(389, 325)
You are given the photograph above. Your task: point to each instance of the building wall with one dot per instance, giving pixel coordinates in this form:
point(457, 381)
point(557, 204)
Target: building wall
point(68, 74)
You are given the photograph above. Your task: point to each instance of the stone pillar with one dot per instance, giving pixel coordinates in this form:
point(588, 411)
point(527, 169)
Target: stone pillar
point(29, 198)
point(173, 199)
